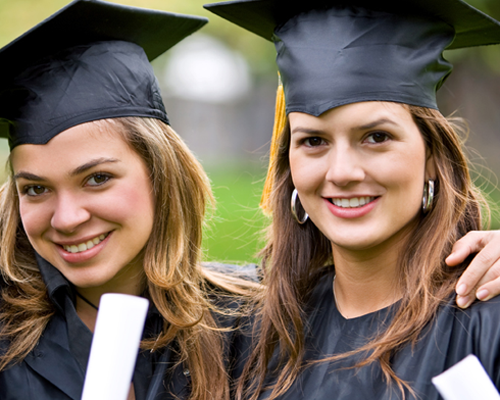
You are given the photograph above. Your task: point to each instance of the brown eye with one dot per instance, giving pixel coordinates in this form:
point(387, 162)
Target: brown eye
point(313, 142)
point(35, 190)
point(98, 179)
point(377, 137)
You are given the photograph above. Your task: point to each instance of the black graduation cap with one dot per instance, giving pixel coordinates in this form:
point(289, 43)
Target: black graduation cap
point(337, 52)
point(88, 61)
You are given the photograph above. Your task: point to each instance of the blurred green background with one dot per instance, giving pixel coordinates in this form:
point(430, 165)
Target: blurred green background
point(234, 232)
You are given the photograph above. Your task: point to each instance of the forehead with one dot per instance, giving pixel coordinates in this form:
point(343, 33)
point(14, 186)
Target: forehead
point(356, 115)
point(72, 147)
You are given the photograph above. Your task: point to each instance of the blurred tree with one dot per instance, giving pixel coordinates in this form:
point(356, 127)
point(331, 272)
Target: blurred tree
point(17, 16)
point(488, 56)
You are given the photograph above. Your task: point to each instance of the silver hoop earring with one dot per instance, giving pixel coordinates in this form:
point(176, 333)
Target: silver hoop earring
point(428, 197)
point(294, 209)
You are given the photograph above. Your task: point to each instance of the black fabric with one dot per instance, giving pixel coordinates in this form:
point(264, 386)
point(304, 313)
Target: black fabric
point(58, 287)
point(472, 27)
point(79, 335)
point(51, 372)
point(86, 62)
point(81, 84)
point(328, 58)
point(71, 340)
point(54, 370)
point(453, 335)
point(332, 53)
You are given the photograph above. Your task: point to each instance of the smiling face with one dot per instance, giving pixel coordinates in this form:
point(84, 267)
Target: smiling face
point(359, 171)
point(87, 207)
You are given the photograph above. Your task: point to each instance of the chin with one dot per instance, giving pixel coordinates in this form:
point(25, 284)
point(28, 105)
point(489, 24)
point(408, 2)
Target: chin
point(356, 245)
point(86, 280)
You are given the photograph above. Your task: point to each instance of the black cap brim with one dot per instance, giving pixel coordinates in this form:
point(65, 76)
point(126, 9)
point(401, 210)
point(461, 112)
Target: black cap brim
point(87, 21)
point(472, 27)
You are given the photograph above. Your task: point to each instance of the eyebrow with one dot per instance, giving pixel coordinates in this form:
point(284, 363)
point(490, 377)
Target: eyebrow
point(82, 168)
point(376, 123)
point(308, 131)
point(367, 126)
point(92, 164)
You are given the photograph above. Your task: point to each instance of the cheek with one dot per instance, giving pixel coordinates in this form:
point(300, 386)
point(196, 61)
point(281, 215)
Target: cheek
point(406, 176)
point(35, 219)
point(307, 173)
point(130, 204)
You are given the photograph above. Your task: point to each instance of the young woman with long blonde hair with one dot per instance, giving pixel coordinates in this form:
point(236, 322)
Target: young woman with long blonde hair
point(103, 196)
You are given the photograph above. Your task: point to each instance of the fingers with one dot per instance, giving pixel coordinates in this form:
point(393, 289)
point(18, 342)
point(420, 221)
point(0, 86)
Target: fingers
point(479, 270)
point(471, 243)
point(482, 278)
point(489, 285)
point(483, 292)
point(487, 245)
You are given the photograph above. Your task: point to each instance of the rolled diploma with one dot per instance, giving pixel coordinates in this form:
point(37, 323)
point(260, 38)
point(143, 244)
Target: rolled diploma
point(466, 380)
point(115, 345)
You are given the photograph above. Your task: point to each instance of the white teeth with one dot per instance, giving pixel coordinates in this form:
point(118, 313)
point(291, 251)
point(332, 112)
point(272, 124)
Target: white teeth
point(353, 202)
point(84, 246)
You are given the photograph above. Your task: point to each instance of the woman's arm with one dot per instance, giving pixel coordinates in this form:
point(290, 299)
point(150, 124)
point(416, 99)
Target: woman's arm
point(481, 279)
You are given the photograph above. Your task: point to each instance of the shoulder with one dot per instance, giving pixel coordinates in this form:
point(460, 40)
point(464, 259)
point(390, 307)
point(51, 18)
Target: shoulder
point(478, 321)
point(232, 290)
point(475, 330)
point(247, 272)
point(482, 322)
point(231, 279)
point(230, 286)
point(480, 314)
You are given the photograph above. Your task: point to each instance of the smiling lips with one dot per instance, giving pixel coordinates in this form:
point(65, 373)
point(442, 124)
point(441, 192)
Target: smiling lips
point(352, 202)
point(355, 207)
point(85, 245)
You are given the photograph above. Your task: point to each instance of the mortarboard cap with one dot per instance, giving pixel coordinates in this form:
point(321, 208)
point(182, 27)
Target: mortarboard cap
point(88, 61)
point(332, 53)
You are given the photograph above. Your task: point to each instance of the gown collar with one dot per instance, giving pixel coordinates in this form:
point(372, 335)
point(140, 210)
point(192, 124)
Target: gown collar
point(58, 287)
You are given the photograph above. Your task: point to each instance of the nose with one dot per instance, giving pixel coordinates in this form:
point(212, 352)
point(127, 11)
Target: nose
point(69, 213)
point(345, 166)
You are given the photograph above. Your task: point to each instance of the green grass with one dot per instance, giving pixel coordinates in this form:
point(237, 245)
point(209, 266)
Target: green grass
point(234, 231)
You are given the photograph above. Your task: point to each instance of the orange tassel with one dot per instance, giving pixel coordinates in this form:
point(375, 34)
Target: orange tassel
point(279, 125)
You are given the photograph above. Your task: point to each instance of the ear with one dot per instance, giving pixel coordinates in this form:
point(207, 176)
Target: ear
point(430, 168)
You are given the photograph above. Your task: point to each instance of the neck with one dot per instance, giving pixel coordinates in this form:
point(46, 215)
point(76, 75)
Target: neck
point(88, 300)
point(87, 313)
point(367, 280)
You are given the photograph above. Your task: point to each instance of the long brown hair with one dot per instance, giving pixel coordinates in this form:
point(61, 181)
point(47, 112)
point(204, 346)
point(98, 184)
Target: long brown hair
point(172, 254)
point(296, 254)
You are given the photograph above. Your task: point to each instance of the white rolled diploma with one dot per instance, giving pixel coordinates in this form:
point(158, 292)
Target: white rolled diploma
point(115, 345)
point(466, 380)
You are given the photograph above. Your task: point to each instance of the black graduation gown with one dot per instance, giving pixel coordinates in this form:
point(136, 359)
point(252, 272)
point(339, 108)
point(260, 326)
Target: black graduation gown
point(53, 370)
point(453, 335)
